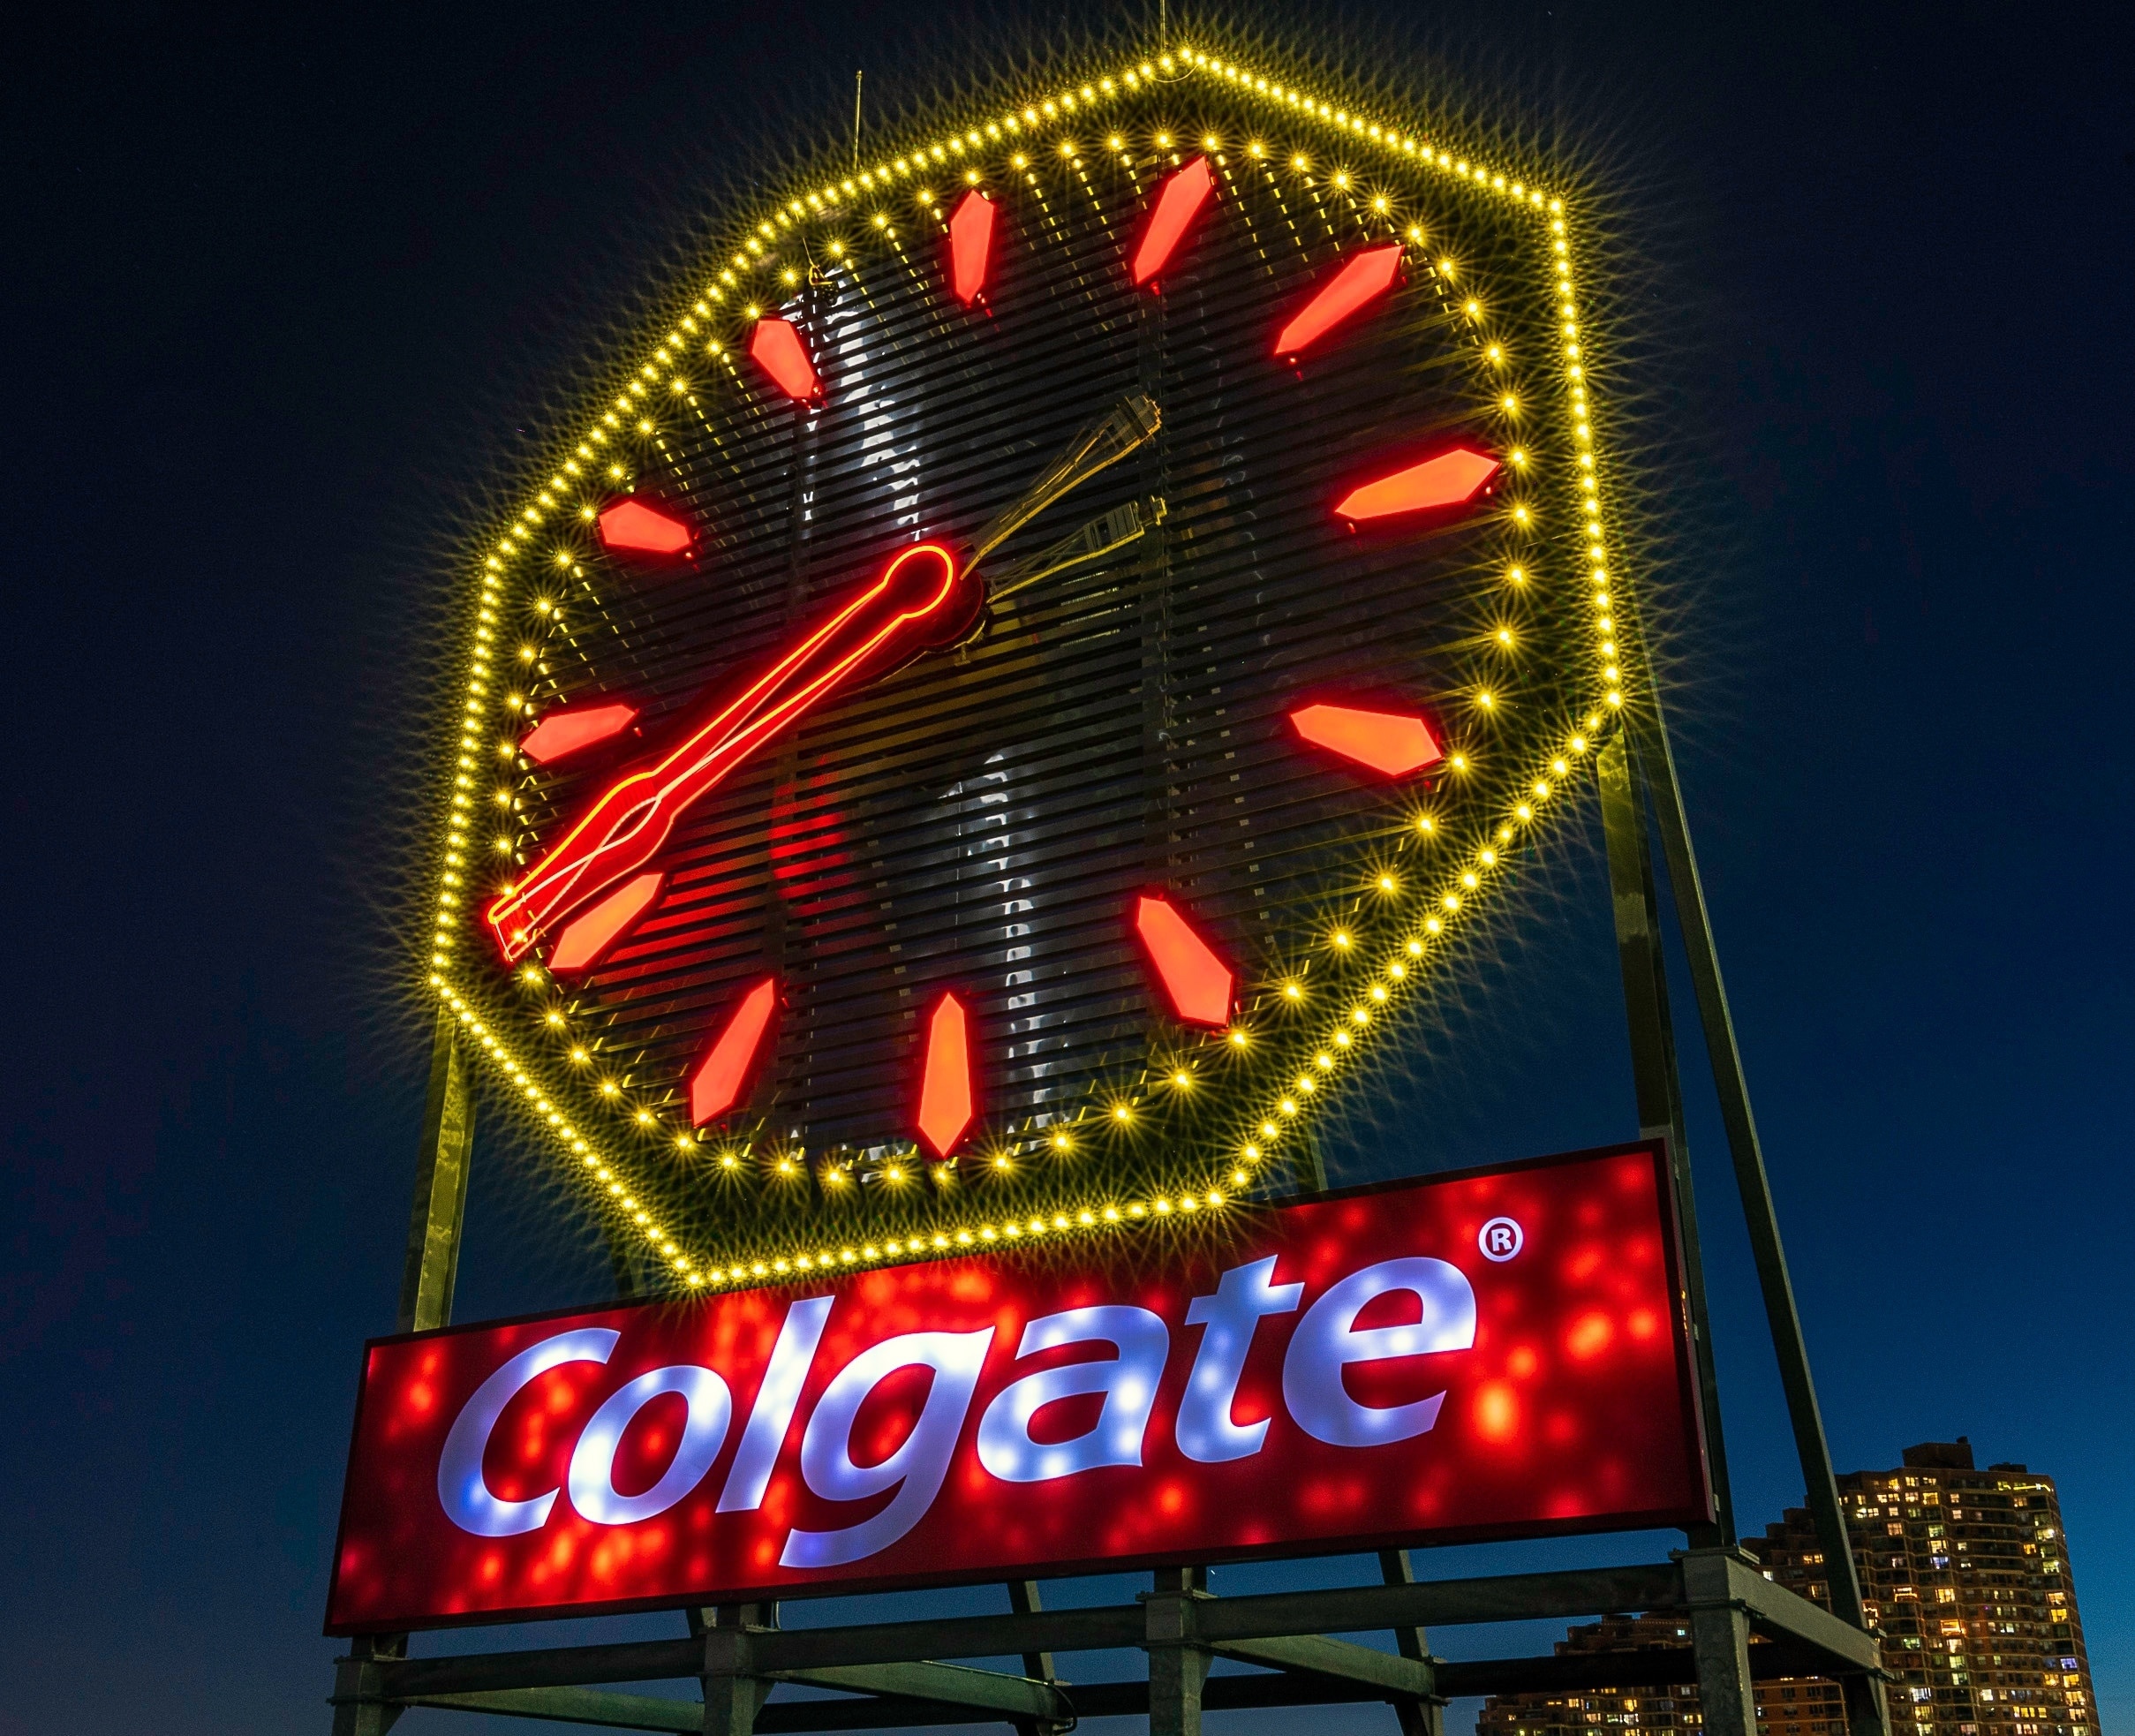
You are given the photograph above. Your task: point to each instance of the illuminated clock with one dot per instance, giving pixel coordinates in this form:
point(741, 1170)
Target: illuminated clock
point(1004, 704)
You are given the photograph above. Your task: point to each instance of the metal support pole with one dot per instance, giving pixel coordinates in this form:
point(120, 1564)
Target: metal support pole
point(1656, 762)
point(1658, 1085)
point(1025, 1599)
point(360, 1708)
point(440, 1187)
point(1719, 1640)
point(1719, 1643)
point(1178, 1663)
point(427, 1278)
point(734, 1690)
point(1867, 1714)
point(1416, 1718)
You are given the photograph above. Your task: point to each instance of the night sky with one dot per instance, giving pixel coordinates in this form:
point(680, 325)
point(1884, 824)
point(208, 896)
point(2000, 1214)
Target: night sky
point(288, 296)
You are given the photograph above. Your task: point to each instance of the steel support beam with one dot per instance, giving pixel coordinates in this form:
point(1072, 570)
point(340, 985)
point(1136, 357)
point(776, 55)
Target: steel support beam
point(1648, 727)
point(1314, 1653)
point(1719, 1643)
point(577, 1705)
point(1014, 1697)
point(1177, 1660)
point(1658, 1087)
point(1423, 1717)
point(1365, 1609)
point(735, 1686)
point(1025, 1599)
point(1783, 1615)
point(362, 1700)
point(1866, 1712)
point(440, 1208)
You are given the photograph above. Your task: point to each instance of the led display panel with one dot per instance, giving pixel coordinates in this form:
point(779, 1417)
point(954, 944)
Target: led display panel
point(1491, 1354)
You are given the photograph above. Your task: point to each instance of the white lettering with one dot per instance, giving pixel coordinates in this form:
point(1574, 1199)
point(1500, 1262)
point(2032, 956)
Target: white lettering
point(1128, 1382)
point(1229, 1319)
point(467, 1500)
point(593, 1461)
point(771, 1414)
point(1326, 1342)
point(914, 1470)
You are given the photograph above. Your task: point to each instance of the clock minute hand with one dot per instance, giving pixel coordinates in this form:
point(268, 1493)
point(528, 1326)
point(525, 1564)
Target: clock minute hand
point(919, 600)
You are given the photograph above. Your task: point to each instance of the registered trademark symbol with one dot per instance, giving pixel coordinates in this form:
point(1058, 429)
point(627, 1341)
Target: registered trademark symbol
point(1500, 1239)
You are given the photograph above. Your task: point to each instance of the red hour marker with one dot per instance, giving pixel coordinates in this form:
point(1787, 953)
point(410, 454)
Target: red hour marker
point(1394, 743)
point(945, 1086)
point(971, 245)
point(1451, 478)
point(1197, 982)
point(716, 1085)
point(582, 943)
point(634, 528)
point(565, 732)
point(776, 348)
point(1363, 278)
point(1183, 194)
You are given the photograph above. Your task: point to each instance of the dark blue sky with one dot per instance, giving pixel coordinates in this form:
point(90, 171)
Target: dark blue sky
point(284, 291)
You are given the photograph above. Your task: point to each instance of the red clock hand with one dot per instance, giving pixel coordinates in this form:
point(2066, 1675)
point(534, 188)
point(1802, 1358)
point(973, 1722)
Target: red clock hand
point(920, 601)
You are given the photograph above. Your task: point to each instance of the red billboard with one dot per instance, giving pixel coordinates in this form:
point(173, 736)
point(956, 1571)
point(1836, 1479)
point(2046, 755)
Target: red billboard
point(1492, 1354)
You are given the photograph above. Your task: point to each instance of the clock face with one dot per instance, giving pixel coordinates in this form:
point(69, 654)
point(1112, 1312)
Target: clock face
point(998, 716)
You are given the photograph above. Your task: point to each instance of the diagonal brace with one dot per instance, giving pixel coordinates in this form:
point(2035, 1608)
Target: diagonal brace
point(952, 1684)
point(1343, 1659)
point(577, 1705)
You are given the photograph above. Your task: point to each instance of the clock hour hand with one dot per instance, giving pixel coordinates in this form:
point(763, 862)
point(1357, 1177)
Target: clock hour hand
point(1121, 430)
point(1101, 536)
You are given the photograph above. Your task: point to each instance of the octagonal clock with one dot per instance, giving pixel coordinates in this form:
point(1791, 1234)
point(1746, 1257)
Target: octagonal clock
point(1005, 702)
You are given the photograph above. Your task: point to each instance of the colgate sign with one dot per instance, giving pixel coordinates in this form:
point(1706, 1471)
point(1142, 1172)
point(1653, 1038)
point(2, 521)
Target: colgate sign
point(1489, 1355)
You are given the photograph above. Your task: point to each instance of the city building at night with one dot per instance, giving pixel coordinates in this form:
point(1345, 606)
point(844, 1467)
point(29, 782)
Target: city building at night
point(1965, 1571)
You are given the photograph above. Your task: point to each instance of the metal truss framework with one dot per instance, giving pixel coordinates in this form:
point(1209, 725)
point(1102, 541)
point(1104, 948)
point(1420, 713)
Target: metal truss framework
point(896, 1676)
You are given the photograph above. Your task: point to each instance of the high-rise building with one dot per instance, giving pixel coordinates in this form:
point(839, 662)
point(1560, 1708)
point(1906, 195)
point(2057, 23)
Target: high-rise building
point(1966, 1572)
point(1663, 1706)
